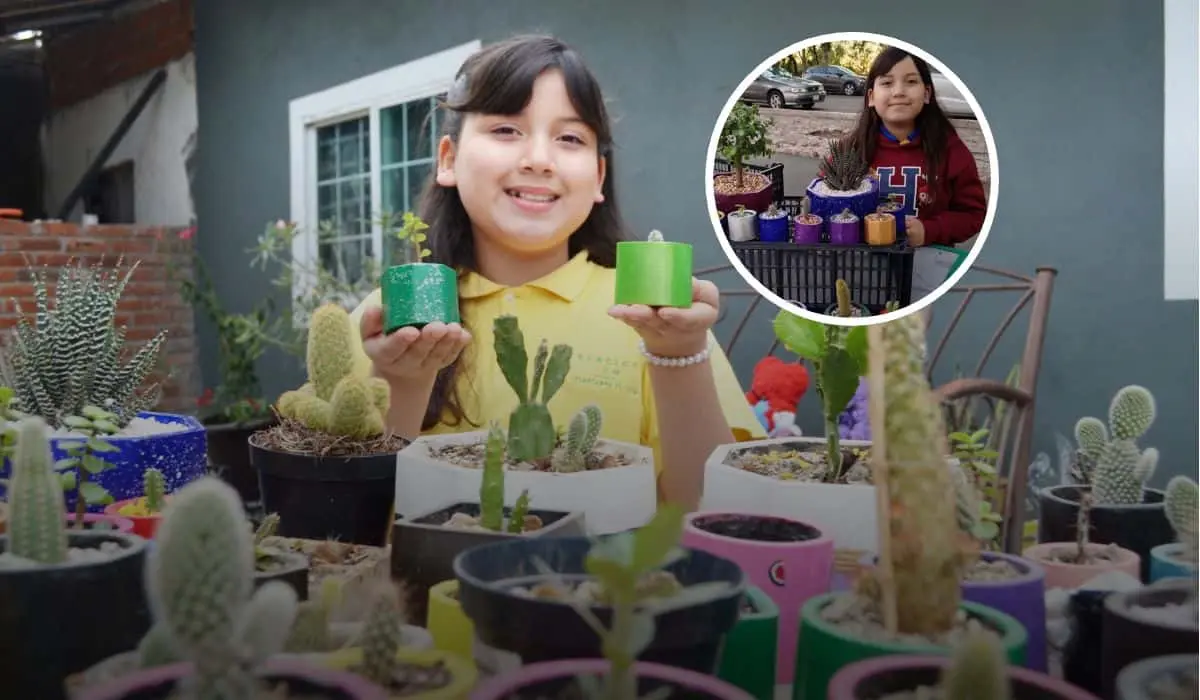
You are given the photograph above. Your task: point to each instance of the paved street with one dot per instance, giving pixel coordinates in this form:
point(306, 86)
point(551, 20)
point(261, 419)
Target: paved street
point(798, 171)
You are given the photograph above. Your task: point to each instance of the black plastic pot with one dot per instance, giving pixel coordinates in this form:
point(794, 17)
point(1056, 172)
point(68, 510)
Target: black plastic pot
point(61, 619)
point(1130, 635)
point(1137, 527)
point(293, 571)
point(229, 455)
point(423, 551)
point(344, 498)
point(541, 630)
point(1081, 655)
point(1135, 680)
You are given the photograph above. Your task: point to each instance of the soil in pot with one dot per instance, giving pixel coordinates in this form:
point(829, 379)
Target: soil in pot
point(471, 455)
point(807, 464)
point(409, 678)
point(347, 562)
point(281, 680)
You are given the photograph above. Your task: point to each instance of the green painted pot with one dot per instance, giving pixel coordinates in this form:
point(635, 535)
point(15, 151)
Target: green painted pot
point(824, 649)
point(748, 657)
point(654, 273)
point(417, 294)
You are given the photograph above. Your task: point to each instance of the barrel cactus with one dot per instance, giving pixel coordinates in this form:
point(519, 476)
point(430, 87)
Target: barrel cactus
point(1121, 469)
point(335, 400)
point(37, 526)
point(1180, 503)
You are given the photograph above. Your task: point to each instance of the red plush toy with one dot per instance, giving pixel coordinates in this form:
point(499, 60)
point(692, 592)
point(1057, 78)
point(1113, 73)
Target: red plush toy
point(779, 385)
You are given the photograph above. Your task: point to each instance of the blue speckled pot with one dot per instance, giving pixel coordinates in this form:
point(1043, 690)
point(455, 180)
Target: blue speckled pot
point(826, 206)
point(181, 457)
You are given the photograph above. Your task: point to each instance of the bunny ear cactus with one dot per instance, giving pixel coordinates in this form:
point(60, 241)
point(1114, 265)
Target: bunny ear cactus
point(531, 433)
point(978, 669)
point(1180, 504)
point(335, 400)
point(1120, 469)
point(36, 514)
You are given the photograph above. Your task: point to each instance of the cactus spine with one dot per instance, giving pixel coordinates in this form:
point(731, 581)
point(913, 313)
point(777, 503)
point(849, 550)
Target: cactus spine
point(154, 488)
point(1121, 470)
point(200, 577)
point(1180, 503)
point(382, 636)
point(582, 434)
point(531, 433)
point(928, 551)
point(978, 669)
point(491, 483)
point(335, 400)
point(37, 518)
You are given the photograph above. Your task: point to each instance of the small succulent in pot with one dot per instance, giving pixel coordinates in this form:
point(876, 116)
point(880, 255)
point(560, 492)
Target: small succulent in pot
point(743, 224)
point(1120, 470)
point(416, 293)
point(491, 495)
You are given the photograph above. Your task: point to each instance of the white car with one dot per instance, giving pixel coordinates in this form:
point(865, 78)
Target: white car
point(949, 98)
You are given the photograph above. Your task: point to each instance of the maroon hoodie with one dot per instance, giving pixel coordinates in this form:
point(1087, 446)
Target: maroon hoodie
point(954, 210)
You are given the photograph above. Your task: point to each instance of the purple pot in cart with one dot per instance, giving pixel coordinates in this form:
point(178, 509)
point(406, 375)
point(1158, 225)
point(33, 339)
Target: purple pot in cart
point(806, 229)
point(845, 229)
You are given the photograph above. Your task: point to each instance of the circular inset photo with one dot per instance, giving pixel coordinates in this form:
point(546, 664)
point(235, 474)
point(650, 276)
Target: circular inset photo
point(852, 178)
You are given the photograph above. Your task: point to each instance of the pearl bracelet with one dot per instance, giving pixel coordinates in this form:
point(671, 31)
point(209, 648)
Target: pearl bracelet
point(660, 361)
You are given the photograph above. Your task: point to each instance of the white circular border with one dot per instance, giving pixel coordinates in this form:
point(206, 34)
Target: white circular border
point(993, 191)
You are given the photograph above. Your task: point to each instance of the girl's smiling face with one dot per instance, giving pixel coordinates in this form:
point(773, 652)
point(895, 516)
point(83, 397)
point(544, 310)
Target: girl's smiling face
point(527, 180)
point(899, 95)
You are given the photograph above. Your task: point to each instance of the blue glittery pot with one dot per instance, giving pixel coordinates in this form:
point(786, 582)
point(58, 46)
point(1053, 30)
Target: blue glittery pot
point(181, 456)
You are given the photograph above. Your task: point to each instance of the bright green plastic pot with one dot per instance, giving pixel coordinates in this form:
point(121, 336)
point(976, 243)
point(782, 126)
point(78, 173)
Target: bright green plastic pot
point(824, 649)
point(748, 657)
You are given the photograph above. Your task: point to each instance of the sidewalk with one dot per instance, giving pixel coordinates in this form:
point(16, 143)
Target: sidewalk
point(798, 171)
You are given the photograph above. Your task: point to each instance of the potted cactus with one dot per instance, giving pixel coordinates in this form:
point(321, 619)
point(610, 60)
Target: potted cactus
point(843, 192)
point(625, 596)
point(1170, 677)
point(571, 470)
point(911, 602)
point(276, 564)
point(1177, 558)
point(416, 293)
point(1155, 620)
point(654, 272)
point(200, 581)
point(328, 467)
point(61, 576)
point(977, 671)
point(1124, 511)
point(773, 225)
point(424, 546)
point(76, 342)
point(144, 511)
point(1069, 565)
point(745, 135)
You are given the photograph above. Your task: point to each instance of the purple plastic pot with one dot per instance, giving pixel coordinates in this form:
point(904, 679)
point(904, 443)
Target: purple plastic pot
point(845, 232)
point(805, 233)
point(879, 676)
point(547, 678)
point(1024, 598)
point(305, 677)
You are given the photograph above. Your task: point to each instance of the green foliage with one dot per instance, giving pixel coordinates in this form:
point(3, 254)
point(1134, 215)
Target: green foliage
point(85, 458)
point(410, 235)
point(844, 166)
point(582, 434)
point(978, 462)
point(745, 135)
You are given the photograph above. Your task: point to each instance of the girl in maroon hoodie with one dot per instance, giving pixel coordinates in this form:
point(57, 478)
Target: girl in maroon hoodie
point(916, 153)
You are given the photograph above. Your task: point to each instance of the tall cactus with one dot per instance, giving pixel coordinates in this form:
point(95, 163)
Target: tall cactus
point(978, 670)
point(1121, 470)
point(1180, 503)
point(199, 577)
point(335, 400)
point(531, 433)
point(927, 550)
point(37, 519)
point(154, 488)
point(491, 483)
point(582, 434)
point(382, 635)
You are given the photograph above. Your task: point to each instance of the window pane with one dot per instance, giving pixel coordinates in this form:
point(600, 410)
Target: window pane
point(343, 258)
point(418, 129)
point(416, 183)
point(353, 208)
point(326, 152)
point(353, 155)
point(391, 135)
point(392, 183)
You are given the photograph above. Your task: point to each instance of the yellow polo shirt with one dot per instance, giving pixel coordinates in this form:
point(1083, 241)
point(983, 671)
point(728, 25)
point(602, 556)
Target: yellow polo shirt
point(570, 305)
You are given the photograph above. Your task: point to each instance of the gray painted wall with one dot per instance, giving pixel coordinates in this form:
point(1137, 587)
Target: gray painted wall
point(1076, 120)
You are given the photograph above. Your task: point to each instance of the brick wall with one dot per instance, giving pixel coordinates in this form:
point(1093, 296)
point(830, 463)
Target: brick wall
point(151, 300)
point(87, 61)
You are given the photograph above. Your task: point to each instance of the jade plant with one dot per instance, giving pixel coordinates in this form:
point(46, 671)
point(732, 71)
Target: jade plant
point(37, 528)
point(1180, 504)
point(838, 355)
point(1120, 470)
point(745, 135)
point(335, 400)
point(85, 458)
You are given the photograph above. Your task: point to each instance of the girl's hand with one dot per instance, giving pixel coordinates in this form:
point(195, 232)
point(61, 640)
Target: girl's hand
point(410, 354)
point(915, 231)
point(672, 332)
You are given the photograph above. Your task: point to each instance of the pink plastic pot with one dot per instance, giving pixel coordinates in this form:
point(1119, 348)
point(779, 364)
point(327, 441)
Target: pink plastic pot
point(545, 679)
point(120, 523)
point(879, 676)
point(160, 682)
point(1072, 576)
point(789, 560)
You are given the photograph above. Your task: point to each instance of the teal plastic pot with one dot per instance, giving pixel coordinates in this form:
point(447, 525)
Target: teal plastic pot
point(824, 649)
point(417, 294)
point(748, 657)
point(1165, 562)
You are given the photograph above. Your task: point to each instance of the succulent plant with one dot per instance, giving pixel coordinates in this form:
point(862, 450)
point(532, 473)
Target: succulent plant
point(844, 166)
point(335, 400)
point(36, 514)
point(582, 434)
point(311, 629)
point(382, 635)
point(154, 488)
point(70, 355)
point(1120, 469)
point(520, 510)
point(531, 433)
point(1180, 504)
point(491, 488)
point(978, 668)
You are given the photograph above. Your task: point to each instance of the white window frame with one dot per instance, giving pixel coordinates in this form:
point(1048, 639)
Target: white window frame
point(1181, 174)
point(366, 96)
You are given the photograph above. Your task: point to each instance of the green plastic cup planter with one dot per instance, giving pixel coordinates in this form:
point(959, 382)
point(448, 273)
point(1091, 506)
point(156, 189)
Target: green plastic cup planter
point(824, 648)
point(417, 294)
point(748, 657)
point(654, 272)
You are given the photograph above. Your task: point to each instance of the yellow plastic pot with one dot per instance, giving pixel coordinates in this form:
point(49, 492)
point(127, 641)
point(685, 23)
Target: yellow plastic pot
point(462, 672)
point(449, 626)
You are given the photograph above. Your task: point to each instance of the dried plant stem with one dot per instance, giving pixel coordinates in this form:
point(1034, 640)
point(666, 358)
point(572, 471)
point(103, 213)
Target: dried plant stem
point(1083, 524)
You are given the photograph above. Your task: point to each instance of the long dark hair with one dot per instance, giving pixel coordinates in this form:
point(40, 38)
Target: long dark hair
point(935, 128)
point(499, 80)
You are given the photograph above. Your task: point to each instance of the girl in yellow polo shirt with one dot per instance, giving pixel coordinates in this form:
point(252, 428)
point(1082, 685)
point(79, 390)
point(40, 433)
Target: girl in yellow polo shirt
point(522, 204)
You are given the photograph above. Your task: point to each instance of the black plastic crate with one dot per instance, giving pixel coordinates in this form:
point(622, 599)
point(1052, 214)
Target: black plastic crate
point(808, 274)
point(773, 171)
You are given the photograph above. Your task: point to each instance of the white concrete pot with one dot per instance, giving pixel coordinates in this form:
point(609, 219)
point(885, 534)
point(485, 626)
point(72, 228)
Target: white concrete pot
point(611, 500)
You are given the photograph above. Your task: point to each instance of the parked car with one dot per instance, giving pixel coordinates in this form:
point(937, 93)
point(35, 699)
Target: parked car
point(949, 98)
point(780, 89)
point(837, 79)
